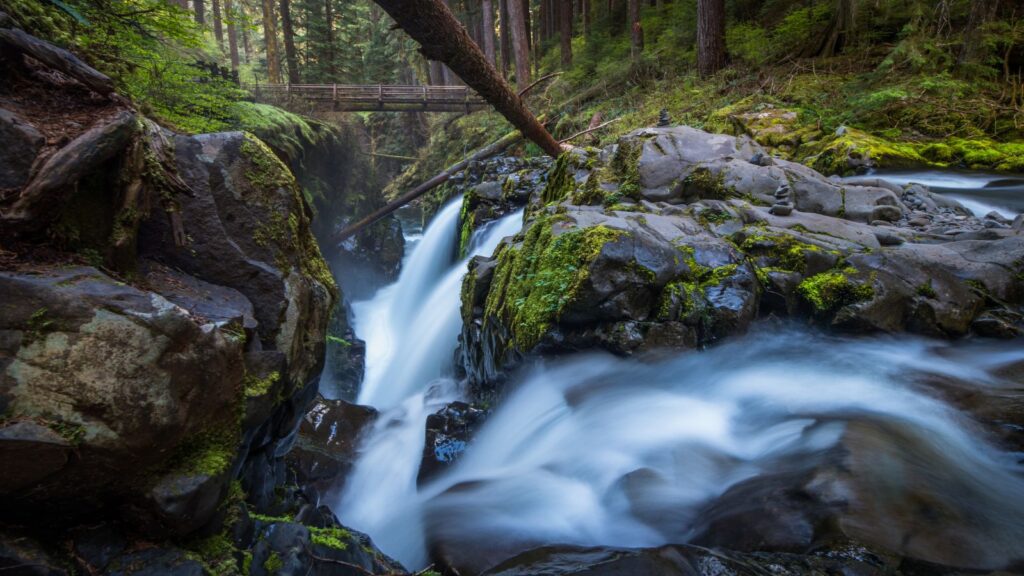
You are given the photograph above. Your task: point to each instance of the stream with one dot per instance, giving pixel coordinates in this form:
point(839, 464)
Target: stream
point(598, 450)
point(979, 192)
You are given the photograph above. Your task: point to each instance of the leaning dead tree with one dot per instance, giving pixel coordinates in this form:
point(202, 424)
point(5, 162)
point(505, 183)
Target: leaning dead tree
point(443, 38)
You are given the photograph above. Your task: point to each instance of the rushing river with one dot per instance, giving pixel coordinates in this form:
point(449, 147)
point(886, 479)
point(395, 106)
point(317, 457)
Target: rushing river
point(597, 450)
point(979, 192)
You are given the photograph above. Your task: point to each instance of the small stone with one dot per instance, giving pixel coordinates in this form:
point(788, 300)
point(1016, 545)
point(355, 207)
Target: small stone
point(781, 209)
point(1018, 222)
point(663, 118)
point(887, 213)
point(886, 238)
point(841, 131)
point(996, 216)
point(994, 224)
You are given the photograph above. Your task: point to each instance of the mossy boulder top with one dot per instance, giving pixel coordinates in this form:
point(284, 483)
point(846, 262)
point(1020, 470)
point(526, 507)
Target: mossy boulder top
point(673, 238)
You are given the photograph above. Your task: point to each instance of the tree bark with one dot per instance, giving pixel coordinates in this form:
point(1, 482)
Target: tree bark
point(291, 60)
point(56, 58)
point(636, 30)
point(981, 12)
point(565, 31)
point(710, 36)
point(839, 32)
point(270, 40)
point(506, 38)
point(520, 42)
point(218, 24)
point(586, 18)
point(246, 40)
point(487, 29)
point(200, 11)
point(229, 14)
point(441, 37)
point(41, 199)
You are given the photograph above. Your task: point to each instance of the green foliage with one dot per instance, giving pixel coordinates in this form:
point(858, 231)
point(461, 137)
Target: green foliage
point(150, 48)
point(336, 538)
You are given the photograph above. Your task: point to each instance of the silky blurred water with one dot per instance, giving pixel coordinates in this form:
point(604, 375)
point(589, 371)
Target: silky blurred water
point(599, 450)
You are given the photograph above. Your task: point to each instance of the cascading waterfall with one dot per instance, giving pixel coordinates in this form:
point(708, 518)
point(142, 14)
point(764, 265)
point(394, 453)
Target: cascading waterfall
point(597, 450)
point(411, 330)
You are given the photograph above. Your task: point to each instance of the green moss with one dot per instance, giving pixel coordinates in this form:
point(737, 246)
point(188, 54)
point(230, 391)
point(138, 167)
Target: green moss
point(337, 538)
point(282, 130)
point(624, 168)
point(207, 453)
point(338, 341)
point(926, 290)
point(707, 184)
point(37, 326)
point(830, 291)
point(535, 281)
point(855, 144)
point(561, 181)
point(714, 216)
point(783, 250)
point(217, 554)
point(590, 194)
point(255, 387)
point(70, 431)
point(273, 563)
point(267, 170)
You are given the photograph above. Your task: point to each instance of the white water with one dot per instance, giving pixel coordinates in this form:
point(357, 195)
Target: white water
point(411, 330)
point(979, 192)
point(596, 450)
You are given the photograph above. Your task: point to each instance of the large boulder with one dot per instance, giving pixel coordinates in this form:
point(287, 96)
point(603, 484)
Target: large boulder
point(119, 378)
point(677, 238)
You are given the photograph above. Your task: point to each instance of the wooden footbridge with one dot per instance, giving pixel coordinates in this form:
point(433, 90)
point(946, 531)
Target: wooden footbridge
point(369, 98)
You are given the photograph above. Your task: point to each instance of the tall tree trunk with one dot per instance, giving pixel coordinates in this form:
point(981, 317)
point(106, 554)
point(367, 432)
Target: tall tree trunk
point(229, 14)
point(487, 29)
point(441, 37)
point(636, 39)
point(289, 42)
point(329, 36)
point(981, 12)
point(586, 18)
point(565, 31)
point(246, 39)
point(270, 40)
point(839, 32)
point(218, 24)
point(506, 37)
point(200, 10)
point(436, 75)
point(710, 36)
point(520, 42)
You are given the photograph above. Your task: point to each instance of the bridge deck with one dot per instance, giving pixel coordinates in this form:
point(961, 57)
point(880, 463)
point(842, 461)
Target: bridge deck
point(374, 97)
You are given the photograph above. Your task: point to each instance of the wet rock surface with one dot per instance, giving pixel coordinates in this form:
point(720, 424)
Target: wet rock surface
point(449, 432)
point(156, 358)
point(673, 238)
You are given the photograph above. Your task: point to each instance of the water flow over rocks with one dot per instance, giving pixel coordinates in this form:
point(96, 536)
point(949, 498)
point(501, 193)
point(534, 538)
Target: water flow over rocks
point(411, 330)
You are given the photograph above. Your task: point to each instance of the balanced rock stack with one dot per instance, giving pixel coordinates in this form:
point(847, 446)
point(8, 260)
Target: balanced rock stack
point(782, 206)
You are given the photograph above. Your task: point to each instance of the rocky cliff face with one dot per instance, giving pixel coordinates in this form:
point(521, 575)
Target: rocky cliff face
point(676, 237)
point(162, 333)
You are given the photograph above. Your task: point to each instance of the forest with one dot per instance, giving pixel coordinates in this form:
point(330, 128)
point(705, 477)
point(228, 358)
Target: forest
point(511, 287)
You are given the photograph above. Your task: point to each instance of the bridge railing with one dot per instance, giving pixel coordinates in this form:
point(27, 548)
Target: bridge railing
point(382, 93)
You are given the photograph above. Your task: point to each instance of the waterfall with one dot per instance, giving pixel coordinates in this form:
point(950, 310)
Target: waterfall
point(411, 330)
point(599, 450)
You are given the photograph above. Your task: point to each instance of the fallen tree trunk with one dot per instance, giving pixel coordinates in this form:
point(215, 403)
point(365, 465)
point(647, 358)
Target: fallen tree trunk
point(42, 198)
point(491, 149)
point(444, 39)
point(58, 59)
